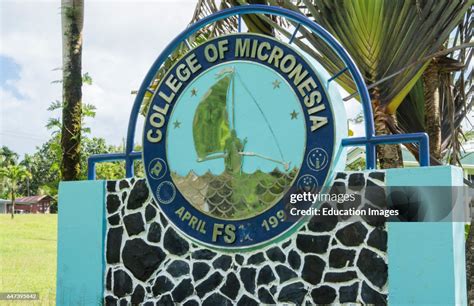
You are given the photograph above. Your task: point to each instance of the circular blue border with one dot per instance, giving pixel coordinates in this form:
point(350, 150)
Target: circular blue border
point(249, 232)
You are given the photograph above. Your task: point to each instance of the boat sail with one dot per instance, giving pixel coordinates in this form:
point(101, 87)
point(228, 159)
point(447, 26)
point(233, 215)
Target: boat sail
point(211, 124)
point(215, 134)
point(233, 193)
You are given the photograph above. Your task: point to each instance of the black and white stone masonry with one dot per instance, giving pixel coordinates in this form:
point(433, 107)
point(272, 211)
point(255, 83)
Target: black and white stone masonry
point(327, 261)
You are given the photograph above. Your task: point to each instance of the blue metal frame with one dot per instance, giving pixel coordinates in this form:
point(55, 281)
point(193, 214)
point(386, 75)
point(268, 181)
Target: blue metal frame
point(370, 141)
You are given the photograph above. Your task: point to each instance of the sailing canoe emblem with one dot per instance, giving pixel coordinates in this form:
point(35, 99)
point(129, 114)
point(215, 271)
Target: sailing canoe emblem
point(232, 193)
point(236, 134)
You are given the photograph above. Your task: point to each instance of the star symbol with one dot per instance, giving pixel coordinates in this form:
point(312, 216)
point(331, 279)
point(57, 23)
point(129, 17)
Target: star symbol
point(294, 115)
point(193, 92)
point(276, 84)
point(177, 124)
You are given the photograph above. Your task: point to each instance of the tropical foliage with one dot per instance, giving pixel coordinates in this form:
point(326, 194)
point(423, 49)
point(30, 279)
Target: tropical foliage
point(7, 157)
point(392, 42)
point(45, 164)
point(440, 102)
point(13, 174)
point(44, 167)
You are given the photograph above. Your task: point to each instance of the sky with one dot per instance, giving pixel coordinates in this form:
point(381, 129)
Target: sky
point(121, 41)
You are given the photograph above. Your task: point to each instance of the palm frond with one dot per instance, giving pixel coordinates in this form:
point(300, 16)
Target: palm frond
point(456, 94)
point(381, 36)
point(55, 105)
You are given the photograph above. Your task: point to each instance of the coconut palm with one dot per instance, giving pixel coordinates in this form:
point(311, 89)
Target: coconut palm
point(13, 174)
point(72, 12)
point(7, 156)
point(441, 100)
point(386, 39)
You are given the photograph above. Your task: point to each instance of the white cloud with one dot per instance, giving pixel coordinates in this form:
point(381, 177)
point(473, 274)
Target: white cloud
point(29, 38)
point(121, 41)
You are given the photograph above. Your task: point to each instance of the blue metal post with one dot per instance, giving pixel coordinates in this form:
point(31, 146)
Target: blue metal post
point(420, 138)
point(294, 33)
point(338, 74)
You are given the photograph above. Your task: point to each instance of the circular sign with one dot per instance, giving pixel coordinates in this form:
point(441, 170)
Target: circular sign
point(235, 127)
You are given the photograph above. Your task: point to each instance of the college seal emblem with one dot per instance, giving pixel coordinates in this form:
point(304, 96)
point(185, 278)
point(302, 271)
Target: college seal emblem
point(235, 126)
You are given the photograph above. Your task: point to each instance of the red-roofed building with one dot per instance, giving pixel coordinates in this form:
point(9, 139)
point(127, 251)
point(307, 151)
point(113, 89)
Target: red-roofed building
point(31, 205)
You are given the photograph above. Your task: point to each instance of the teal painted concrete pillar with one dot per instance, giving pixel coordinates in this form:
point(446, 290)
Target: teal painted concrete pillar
point(81, 228)
point(426, 260)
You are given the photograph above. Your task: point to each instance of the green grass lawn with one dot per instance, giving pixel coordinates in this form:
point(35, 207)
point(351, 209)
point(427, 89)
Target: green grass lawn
point(28, 246)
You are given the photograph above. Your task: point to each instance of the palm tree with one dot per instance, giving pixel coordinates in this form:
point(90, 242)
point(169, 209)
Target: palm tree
point(72, 12)
point(13, 175)
point(386, 39)
point(7, 156)
point(441, 100)
point(27, 162)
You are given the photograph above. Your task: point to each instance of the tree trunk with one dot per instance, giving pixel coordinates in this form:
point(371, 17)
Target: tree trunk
point(389, 156)
point(72, 12)
point(432, 108)
point(13, 203)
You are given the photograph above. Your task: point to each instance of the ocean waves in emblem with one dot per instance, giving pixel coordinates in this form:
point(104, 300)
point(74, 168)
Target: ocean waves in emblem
point(234, 196)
